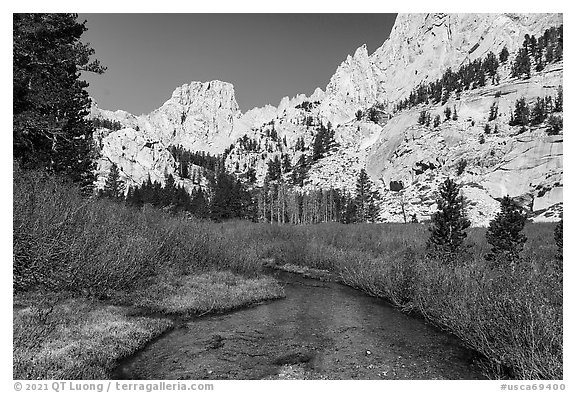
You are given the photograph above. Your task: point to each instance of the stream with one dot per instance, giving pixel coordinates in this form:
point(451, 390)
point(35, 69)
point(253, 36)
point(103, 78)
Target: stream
point(321, 330)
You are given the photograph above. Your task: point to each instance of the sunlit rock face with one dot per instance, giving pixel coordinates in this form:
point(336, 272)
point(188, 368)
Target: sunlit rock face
point(204, 116)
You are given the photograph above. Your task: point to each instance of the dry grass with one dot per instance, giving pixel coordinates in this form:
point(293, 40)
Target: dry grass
point(102, 249)
point(56, 337)
point(78, 339)
point(209, 292)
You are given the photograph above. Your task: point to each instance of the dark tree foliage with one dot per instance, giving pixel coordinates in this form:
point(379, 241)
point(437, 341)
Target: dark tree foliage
point(448, 113)
point(286, 163)
point(461, 166)
point(423, 117)
point(172, 197)
point(300, 171)
point(50, 101)
point(184, 158)
point(538, 112)
point(105, 123)
point(504, 234)
point(114, 186)
point(493, 112)
point(199, 206)
point(248, 144)
point(323, 142)
point(449, 222)
point(230, 199)
point(359, 115)
point(274, 171)
point(503, 57)
point(436, 121)
point(559, 101)
point(365, 200)
point(490, 65)
point(554, 125)
point(559, 239)
point(521, 66)
point(521, 116)
point(300, 145)
point(454, 113)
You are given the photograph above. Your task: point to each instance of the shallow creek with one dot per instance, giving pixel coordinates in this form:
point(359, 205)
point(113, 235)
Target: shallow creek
point(321, 330)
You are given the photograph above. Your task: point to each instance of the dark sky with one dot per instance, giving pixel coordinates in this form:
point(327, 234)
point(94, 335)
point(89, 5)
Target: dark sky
point(265, 56)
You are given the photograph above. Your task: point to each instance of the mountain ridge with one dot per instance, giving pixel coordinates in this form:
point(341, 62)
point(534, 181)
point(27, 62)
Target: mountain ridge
point(206, 116)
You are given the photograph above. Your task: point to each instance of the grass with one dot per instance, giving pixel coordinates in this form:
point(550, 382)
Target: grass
point(204, 293)
point(77, 339)
point(98, 249)
point(88, 275)
point(58, 337)
point(512, 317)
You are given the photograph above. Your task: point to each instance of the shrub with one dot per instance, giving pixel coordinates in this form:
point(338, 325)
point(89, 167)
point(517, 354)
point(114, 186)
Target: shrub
point(559, 239)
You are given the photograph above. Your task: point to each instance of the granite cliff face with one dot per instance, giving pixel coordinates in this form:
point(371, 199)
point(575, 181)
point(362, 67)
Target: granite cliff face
point(206, 117)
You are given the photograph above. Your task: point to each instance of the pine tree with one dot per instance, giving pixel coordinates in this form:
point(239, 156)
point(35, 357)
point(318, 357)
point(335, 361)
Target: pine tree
point(493, 112)
point(423, 117)
point(503, 57)
point(447, 112)
point(454, 113)
point(449, 222)
point(538, 112)
point(521, 66)
point(436, 121)
point(114, 186)
point(50, 102)
point(199, 206)
point(554, 125)
point(521, 115)
point(504, 234)
point(559, 101)
point(365, 200)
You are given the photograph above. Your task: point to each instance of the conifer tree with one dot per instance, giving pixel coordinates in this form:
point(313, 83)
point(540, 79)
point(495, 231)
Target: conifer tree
point(504, 55)
point(366, 208)
point(198, 205)
point(454, 113)
point(521, 66)
point(50, 102)
point(114, 186)
point(449, 222)
point(521, 115)
point(504, 234)
point(559, 101)
point(447, 112)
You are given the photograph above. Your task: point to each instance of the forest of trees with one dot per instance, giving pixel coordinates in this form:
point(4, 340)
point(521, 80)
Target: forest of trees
point(537, 52)
point(279, 202)
point(105, 123)
point(525, 114)
point(534, 53)
point(184, 158)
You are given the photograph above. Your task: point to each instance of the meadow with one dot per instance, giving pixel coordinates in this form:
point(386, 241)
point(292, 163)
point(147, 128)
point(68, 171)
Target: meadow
point(94, 280)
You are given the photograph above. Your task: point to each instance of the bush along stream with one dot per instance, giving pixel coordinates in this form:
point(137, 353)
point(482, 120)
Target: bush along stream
point(89, 275)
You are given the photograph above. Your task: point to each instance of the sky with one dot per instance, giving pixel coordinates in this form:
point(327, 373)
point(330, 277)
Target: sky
point(265, 56)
